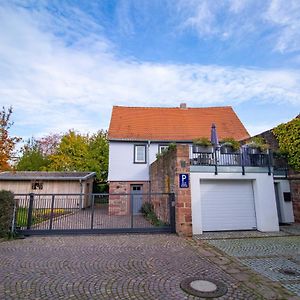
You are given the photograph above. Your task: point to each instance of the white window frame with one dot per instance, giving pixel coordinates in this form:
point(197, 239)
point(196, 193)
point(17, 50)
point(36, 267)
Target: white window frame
point(135, 156)
point(162, 147)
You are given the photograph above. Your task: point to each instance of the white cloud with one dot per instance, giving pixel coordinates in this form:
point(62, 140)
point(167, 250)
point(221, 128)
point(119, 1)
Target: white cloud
point(286, 15)
point(239, 18)
point(54, 86)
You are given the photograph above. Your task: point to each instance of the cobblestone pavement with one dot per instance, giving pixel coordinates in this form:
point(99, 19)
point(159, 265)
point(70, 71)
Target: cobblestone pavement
point(81, 219)
point(277, 258)
point(112, 267)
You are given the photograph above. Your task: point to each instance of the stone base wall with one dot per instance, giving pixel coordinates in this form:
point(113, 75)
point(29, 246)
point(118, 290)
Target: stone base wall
point(295, 193)
point(119, 205)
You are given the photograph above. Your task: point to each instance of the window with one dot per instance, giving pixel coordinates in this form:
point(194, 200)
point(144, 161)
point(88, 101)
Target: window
point(162, 148)
point(140, 154)
point(37, 185)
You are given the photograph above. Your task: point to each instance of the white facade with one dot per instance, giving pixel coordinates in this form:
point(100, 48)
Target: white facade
point(286, 214)
point(121, 161)
point(263, 197)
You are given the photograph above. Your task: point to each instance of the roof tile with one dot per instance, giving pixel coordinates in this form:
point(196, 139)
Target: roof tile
point(173, 124)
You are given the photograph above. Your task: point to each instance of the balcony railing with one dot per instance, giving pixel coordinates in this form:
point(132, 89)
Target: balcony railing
point(242, 159)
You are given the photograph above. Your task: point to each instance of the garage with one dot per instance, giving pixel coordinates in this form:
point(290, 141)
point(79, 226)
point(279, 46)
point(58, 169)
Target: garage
point(227, 205)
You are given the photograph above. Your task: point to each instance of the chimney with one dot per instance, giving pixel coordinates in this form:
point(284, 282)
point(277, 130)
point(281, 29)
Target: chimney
point(183, 105)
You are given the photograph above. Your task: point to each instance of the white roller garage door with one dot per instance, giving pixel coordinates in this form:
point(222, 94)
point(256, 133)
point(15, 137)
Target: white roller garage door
point(227, 205)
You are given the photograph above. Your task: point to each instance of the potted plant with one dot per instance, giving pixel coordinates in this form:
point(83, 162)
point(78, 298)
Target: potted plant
point(257, 145)
point(202, 144)
point(229, 145)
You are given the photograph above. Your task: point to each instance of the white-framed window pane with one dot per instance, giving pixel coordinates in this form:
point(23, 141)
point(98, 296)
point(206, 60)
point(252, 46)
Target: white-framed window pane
point(163, 148)
point(140, 153)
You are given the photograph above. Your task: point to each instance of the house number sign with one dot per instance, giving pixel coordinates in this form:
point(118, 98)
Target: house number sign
point(183, 180)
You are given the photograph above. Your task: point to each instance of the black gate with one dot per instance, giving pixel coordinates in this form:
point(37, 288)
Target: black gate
point(94, 213)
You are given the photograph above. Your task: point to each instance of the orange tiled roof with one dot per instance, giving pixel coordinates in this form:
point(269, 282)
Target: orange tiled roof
point(173, 124)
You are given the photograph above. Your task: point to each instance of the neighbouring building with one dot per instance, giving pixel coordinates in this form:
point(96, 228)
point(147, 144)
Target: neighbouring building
point(286, 181)
point(42, 184)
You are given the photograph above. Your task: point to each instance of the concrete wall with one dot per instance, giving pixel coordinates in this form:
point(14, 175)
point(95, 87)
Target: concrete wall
point(264, 199)
point(286, 208)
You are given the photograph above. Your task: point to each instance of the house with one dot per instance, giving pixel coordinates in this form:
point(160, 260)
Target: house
point(44, 183)
point(224, 191)
point(221, 192)
point(137, 134)
point(286, 181)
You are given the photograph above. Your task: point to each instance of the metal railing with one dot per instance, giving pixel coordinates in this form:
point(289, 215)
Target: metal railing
point(94, 213)
point(242, 159)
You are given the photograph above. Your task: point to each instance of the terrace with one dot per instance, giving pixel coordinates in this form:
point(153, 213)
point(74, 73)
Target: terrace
point(223, 160)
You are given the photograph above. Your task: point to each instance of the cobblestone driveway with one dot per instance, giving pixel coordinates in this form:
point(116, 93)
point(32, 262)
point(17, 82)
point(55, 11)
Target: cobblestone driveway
point(277, 258)
point(106, 267)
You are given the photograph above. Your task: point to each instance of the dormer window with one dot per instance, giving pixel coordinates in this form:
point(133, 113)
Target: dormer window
point(139, 154)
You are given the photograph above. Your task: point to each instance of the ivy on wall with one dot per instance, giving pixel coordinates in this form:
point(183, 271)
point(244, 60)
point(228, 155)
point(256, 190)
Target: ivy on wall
point(288, 136)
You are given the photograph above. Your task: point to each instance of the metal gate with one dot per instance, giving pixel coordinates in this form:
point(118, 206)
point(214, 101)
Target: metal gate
point(94, 213)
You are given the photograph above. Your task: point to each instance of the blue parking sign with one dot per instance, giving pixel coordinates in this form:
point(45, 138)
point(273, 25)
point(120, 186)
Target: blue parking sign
point(183, 180)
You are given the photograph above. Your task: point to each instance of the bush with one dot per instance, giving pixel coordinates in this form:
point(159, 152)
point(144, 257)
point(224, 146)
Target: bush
point(148, 211)
point(6, 212)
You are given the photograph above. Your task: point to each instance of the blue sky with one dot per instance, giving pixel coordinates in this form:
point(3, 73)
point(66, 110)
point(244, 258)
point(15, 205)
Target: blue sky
point(64, 64)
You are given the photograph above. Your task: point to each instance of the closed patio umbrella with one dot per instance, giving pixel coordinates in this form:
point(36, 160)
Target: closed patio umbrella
point(213, 136)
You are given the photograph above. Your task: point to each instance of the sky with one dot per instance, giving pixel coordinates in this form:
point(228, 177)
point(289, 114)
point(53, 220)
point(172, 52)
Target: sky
point(65, 63)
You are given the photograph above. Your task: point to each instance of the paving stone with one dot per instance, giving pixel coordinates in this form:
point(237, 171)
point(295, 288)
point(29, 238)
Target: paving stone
point(268, 256)
point(106, 267)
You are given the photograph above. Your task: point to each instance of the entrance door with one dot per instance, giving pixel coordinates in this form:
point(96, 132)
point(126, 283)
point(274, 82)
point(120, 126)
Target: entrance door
point(136, 198)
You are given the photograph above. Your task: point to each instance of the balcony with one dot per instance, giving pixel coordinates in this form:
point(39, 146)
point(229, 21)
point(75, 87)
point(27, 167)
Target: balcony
point(231, 162)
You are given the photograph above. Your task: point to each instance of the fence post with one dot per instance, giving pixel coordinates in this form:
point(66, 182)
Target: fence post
point(243, 162)
point(131, 209)
point(172, 212)
point(13, 221)
point(216, 161)
point(51, 213)
point(30, 208)
point(93, 208)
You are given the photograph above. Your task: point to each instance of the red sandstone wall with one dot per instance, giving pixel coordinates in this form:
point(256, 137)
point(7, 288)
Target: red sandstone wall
point(295, 193)
point(164, 175)
point(119, 205)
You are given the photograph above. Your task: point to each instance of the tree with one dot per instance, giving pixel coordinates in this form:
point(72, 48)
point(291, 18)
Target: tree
point(97, 160)
point(78, 152)
point(7, 143)
point(48, 145)
point(288, 136)
point(32, 158)
point(71, 153)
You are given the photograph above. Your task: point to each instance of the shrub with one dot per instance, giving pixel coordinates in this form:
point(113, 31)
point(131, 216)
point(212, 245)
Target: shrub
point(149, 213)
point(202, 141)
point(6, 212)
point(234, 144)
point(258, 142)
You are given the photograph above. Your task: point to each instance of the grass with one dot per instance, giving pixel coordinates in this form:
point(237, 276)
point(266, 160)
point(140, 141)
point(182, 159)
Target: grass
point(38, 215)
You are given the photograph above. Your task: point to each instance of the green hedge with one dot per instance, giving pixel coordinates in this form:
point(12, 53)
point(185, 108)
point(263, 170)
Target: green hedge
point(6, 212)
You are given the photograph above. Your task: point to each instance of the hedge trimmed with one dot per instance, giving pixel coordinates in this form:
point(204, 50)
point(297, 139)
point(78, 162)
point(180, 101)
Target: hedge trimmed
point(6, 212)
